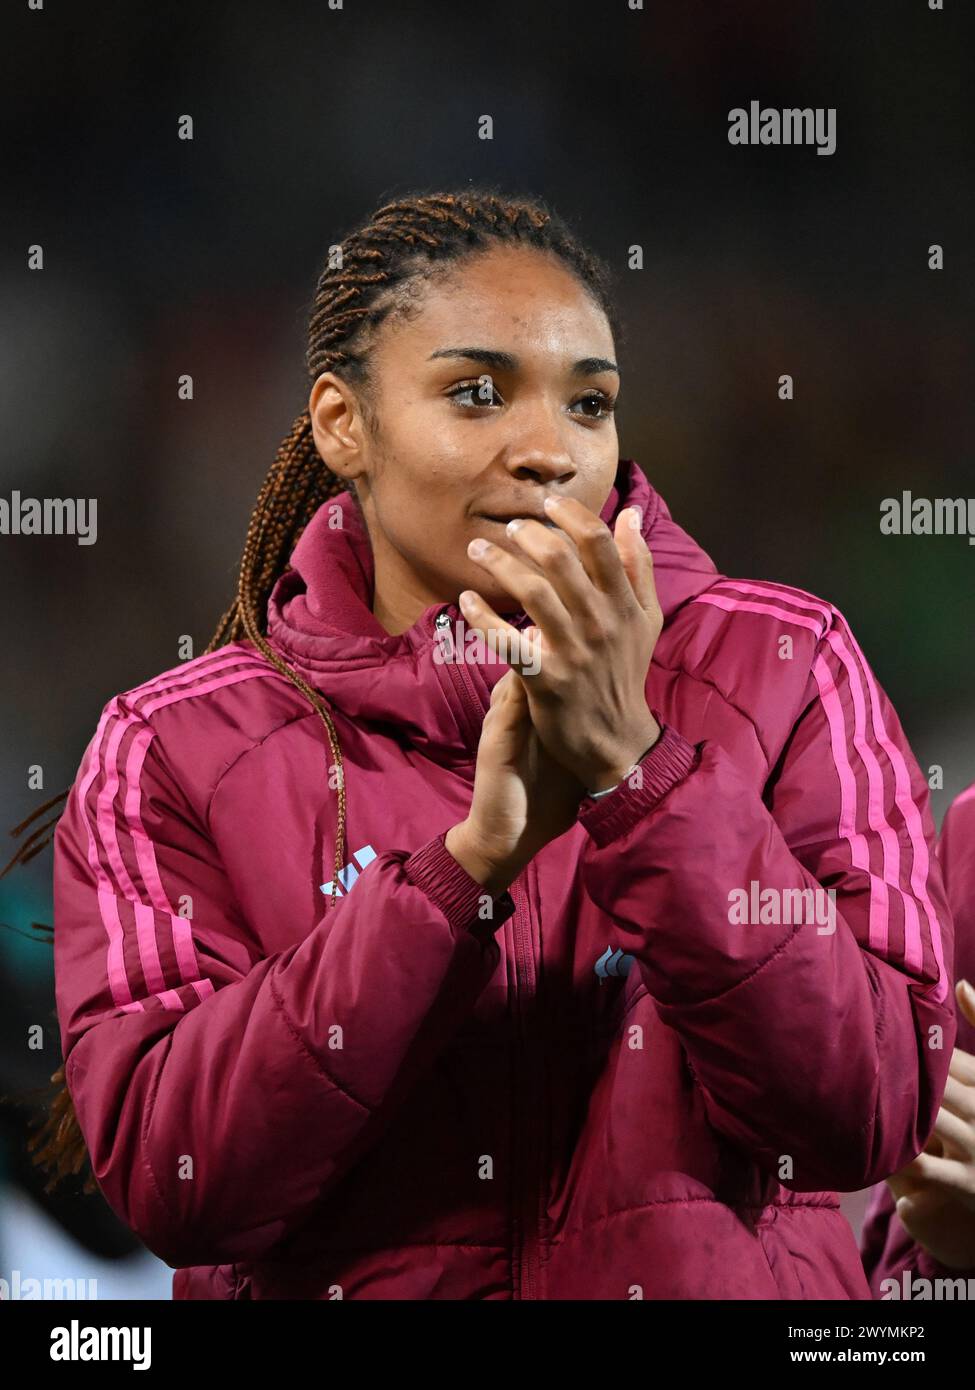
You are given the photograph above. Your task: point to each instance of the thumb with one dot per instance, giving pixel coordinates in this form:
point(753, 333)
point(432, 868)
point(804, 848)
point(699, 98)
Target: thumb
point(508, 697)
point(502, 690)
point(499, 689)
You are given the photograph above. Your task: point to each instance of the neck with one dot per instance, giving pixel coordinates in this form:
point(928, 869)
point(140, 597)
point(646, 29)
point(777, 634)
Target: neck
point(399, 595)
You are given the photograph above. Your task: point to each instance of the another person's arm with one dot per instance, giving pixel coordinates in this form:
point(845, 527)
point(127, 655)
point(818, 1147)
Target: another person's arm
point(938, 1241)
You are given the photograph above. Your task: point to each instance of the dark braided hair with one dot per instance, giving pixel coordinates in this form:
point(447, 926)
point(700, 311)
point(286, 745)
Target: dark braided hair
point(381, 272)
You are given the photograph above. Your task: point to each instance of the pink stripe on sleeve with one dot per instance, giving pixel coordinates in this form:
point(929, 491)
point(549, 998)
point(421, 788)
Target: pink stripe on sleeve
point(732, 605)
point(145, 925)
point(876, 819)
point(860, 676)
point(907, 806)
point(771, 592)
point(230, 678)
point(118, 983)
point(859, 848)
point(105, 813)
point(94, 763)
point(182, 679)
point(107, 904)
point(189, 967)
point(102, 829)
point(144, 851)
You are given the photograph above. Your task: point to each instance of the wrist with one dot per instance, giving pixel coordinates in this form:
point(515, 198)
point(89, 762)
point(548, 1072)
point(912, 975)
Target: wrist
point(495, 874)
point(608, 776)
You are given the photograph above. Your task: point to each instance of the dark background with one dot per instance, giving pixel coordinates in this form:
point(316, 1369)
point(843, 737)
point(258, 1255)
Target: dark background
point(164, 257)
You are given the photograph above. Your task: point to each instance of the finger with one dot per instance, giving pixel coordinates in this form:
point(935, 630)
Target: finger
point(933, 1146)
point(636, 558)
point(965, 994)
point(531, 589)
point(916, 1206)
point(594, 541)
point(946, 1174)
point(557, 558)
point(957, 1135)
point(959, 1098)
point(521, 650)
point(902, 1185)
point(962, 1066)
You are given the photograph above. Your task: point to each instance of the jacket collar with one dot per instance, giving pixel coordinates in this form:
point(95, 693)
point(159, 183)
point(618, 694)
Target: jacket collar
point(320, 620)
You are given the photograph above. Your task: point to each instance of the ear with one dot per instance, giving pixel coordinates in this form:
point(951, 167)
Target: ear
point(337, 425)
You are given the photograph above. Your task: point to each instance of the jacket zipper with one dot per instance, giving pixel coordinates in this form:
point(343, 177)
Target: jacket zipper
point(473, 706)
point(526, 1181)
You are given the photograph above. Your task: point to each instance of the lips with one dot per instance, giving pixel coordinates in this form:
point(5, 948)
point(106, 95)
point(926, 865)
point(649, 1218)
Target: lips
point(504, 518)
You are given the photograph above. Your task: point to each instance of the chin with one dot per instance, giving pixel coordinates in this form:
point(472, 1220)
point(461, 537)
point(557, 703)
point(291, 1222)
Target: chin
point(504, 605)
point(502, 602)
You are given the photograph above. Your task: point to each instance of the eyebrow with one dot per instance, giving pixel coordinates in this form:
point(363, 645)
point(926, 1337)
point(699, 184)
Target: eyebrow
point(508, 362)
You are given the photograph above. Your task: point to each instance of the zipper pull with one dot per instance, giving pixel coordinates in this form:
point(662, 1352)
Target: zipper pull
point(444, 637)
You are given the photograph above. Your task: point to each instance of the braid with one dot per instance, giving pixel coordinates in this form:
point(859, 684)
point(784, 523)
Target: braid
point(292, 493)
point(382, 265)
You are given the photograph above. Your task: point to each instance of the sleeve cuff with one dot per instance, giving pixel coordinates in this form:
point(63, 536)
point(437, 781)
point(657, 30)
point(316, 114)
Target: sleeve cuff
point(668, 762)
point(449, 886)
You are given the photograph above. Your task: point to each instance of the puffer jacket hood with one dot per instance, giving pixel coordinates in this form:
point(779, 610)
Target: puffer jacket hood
point(644, 1071)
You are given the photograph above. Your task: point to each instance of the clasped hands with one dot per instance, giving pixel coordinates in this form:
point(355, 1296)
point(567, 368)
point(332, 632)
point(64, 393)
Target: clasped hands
point(570, 716)
point(591, 597)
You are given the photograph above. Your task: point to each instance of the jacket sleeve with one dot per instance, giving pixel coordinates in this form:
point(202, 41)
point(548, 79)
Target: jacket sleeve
point(823, 1052)
point(222, 1093)
point(886, 1248)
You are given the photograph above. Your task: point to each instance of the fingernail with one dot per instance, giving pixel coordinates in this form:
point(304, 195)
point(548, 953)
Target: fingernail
point(635, 518)
point(477, 546)
point(550, 502)
point(513, 525)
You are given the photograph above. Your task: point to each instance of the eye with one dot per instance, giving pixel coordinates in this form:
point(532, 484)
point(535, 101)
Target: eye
point(481, 392)
point(602, 403)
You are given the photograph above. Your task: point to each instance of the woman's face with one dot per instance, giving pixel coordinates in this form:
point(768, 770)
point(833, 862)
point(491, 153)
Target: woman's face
point(496, 393)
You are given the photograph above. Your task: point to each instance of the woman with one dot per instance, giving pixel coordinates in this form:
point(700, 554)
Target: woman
point(568, 1021)
point(920, 1226)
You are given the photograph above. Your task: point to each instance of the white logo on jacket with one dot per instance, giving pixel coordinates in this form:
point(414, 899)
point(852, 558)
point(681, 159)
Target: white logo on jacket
point(350, 873)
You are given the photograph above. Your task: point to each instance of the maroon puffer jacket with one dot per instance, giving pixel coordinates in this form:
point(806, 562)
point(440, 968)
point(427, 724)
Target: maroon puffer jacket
point(645, 1072)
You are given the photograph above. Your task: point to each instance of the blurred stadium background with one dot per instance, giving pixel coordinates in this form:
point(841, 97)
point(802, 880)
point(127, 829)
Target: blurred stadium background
point(163, 257)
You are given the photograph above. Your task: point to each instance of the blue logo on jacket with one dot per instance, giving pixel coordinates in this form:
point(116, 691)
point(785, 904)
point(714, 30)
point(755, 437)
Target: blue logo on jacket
point(350, 873)
point(611, 964)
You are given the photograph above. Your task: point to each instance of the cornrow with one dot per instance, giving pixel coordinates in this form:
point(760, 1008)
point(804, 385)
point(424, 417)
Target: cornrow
point(383, 266)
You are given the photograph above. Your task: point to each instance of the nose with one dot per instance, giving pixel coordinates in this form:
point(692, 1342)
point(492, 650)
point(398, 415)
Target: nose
point(537, 448)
